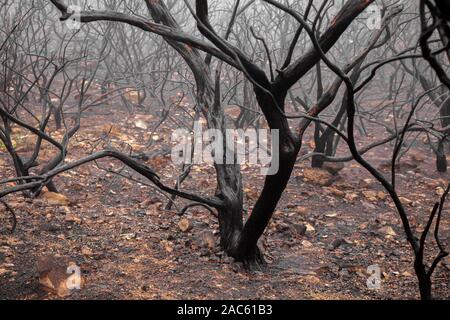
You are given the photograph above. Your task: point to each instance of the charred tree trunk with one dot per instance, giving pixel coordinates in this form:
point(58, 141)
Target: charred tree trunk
point(423, 278)
point(229, 182)
point(230, 215)
point(247, 250)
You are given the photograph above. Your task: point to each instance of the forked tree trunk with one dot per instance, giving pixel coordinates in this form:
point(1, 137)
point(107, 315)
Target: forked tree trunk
point(425, 285)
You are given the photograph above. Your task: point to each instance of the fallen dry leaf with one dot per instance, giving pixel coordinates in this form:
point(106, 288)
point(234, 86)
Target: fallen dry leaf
point(55, 199)
point(71, 218)
point(371, 195)
point(185, 225)
point(318, 176)
point(208, 239)
point(387, 231)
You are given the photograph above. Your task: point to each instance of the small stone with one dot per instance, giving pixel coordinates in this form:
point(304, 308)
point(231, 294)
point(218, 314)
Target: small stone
point(388, 231)
point(140, 124)
point(336, 244)
point(54, 275)
point(336, 192)
point(48, 227)
point(366, 183)
point(4, 271)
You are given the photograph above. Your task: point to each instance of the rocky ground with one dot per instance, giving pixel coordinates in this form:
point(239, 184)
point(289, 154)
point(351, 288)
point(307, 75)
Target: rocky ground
point(327, 231)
